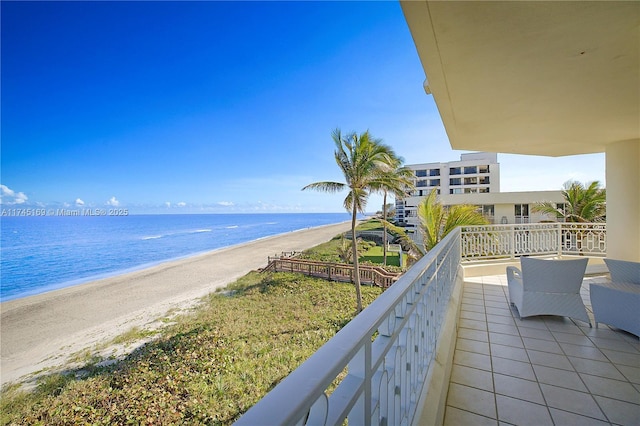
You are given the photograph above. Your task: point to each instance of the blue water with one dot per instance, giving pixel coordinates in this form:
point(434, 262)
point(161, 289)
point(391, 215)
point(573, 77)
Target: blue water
point(39, 254)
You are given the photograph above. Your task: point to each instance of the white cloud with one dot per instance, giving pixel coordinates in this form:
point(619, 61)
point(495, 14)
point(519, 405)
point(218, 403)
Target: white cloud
point(225, 203)
point(181, 204)
point(167, 204)
point(9, 196)
point(79, 202)
point(113, 202)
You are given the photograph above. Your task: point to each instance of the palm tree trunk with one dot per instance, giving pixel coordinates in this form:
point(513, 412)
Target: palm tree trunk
point(356, 266)
point(384, 229)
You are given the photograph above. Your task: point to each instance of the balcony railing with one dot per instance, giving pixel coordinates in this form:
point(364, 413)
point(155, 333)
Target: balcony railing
point(386, 354)
point(500, 241)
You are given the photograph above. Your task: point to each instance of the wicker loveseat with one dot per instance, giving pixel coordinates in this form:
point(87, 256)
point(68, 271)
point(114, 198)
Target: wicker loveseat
point(617, 303)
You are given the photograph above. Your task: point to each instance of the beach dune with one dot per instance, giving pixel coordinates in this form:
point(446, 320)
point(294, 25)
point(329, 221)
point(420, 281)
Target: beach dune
point(40, 332)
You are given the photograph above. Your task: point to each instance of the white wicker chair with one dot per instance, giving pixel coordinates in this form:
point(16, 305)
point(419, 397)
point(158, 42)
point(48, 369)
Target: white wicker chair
point(548, 287)
point(617, 303)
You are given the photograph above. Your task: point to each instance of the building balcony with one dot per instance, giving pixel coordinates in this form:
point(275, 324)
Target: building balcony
point(444, 346)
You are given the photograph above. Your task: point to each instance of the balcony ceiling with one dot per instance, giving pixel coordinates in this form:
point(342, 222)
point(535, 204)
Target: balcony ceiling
point(540, 78)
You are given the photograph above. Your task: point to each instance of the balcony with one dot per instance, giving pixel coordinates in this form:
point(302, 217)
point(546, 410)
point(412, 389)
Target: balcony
point(443, 346)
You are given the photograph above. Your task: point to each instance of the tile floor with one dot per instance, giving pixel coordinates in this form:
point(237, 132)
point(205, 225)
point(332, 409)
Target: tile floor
point(542, 370)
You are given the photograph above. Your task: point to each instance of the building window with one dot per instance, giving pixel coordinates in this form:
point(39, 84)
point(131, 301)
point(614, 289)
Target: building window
point(455, 171)
point(483, 190)
point(421, 173)
point(421, 183)
point(483, 169)
point(455, 181)
point(470, 190)
point(471, 181)
point(469, 170)
point(522, 213)
point(455, 191)
point(484, 180)
point(434, 182)
point(434, 172)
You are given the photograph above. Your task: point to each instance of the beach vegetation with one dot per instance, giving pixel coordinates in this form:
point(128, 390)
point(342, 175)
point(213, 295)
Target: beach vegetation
point(398, 181)
point(436, 220)
point(582, 203)
point(364, 162)
point(208, 366)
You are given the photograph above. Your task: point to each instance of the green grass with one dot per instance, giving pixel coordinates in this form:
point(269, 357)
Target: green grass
point(206, 368)
point(375, 255)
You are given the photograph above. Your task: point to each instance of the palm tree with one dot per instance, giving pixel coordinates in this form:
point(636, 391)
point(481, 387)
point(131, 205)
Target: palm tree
point(362, 160)
point(583, 203)
point(437, 221)
point(399, 182)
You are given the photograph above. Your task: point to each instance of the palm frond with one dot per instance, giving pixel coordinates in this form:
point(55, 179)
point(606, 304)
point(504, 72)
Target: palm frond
point(325, 186)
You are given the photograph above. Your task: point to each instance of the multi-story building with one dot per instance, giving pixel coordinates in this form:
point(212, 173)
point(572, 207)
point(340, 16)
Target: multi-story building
point(475, 179)
point(475, 173)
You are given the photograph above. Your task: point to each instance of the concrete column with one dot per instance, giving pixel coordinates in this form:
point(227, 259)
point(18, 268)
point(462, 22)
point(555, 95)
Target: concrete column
point(623, 200)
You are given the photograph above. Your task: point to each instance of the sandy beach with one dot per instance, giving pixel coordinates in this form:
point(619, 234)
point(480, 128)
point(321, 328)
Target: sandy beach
point(40, 332)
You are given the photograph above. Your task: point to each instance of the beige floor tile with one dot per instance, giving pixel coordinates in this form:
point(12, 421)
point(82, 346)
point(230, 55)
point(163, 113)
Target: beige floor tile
point(615, 344)
point(472, 308)
point(531, 322)
point(506, 340)
point(574, 339)
point(473, 377)
point(536, 333)
point(561, 417)
point(619, 412)
point(501, 319)
point(632, 374)
point(474, 316)
point(572, 401)
point(616, 389)
point(514, 387)
point(596, 368)
point(494, 303)
point(473, 324)
point(472, 346)
point(500, 298)
point(560, 378)
point(472, 400)
point(503, 328)
point(542, 345)
point(562, 324)
point(472, 299)
point(471, 359)
point(579, 351)
point(505, 312)
point(624, 358)
point(467, 333)
point(519, 412)
point(508, 367)
point(503, 351)
point(549, 360)
point(456, 417)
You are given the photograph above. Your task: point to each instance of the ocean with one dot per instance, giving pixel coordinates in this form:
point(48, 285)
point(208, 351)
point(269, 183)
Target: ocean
point(39, 254)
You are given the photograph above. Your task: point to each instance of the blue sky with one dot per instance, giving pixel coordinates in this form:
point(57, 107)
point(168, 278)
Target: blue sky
point(187, 107)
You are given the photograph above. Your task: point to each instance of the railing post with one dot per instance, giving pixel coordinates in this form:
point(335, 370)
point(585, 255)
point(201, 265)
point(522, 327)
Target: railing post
point(512, 242)
point(559, 226)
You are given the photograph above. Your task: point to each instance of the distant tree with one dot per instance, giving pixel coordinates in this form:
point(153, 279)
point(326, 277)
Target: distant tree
point(398, 181)
point(436, 221)
point(363, 161)
point(582, 203)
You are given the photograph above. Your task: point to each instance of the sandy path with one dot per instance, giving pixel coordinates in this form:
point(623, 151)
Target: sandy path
point(40, 331)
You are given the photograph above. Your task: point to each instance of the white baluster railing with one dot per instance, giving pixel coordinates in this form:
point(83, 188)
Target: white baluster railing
point(386, 351)
point(499, 241)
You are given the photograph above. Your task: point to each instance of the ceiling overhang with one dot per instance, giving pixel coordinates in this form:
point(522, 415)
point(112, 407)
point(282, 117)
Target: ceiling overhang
point(528, 77)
